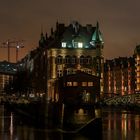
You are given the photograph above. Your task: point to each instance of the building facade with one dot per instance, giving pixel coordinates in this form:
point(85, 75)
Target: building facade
point(34, 66)
point(75, 48)
point(7, 73)
point(119, 76)
point(78, 89)
point(137, 67)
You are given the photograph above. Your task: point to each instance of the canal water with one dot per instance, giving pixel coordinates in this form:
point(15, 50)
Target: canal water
point(121, 124)
point(117, 124)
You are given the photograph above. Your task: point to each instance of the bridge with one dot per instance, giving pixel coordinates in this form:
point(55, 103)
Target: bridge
point(130, 99)
point(8, 68)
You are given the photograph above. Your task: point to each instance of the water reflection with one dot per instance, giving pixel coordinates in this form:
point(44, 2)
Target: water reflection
point(120, 125)
point(11, 126)
point(117, 125)
point(74, 118)
point(14, 127)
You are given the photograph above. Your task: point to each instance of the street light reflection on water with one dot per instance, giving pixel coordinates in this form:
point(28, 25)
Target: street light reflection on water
point(15, 127)
point(117, 125)
point(11, 125)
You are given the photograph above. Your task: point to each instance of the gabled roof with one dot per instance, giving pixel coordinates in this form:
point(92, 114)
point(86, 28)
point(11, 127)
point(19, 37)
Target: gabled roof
point(72, 35)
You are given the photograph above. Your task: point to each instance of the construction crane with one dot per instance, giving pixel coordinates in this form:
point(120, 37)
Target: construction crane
point(13, 44)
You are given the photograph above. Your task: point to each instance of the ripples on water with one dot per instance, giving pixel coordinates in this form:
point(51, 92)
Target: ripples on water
point(14, 127)
point(121, 124)
point(117, 125)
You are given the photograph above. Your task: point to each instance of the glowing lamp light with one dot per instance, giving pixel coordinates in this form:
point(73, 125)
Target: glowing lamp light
point(80, 45)
point(18, 47)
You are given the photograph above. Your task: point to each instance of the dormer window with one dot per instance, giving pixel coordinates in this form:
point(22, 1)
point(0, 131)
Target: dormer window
point(64, 44)
point(80, 45)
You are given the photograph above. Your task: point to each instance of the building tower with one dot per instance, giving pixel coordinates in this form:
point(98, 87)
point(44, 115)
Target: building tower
point(97, 41)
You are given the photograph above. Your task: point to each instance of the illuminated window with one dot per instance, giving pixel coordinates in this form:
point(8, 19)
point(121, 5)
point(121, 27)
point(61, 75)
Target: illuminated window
point(84, 84)
point(75, 83)
point(86, 96)
point(59, 73)
point(138, 74)
point(138, 68)
point(101, 75)
point(90, 84)
point(138, 80)
point(73, 71)
point(89, 72)
point(138, 58)
point(64, 44)
point(68, 71)
point(69, 83)
point(80, 45)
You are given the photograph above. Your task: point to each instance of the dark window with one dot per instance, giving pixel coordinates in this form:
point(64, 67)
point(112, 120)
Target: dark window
point(88, 60)
point(67, 59)
point(74, 60)
point(59, 60)
point(82, 60)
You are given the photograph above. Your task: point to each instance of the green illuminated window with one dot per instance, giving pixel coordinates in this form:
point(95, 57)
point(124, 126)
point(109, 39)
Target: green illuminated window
point(64, 44)
point(80, 45)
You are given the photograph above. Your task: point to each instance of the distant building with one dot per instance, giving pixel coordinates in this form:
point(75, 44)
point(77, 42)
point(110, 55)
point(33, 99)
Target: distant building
point(7, 73)
point(4, 82)
point(73, 48)
point(119, 76)
point(34, 65)
point(137, 66)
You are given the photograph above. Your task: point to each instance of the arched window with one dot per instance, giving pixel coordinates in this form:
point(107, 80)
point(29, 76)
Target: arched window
point(59, 60)
point(82, 59)
point(74, 60)
point(67, 59)
point(88, 60)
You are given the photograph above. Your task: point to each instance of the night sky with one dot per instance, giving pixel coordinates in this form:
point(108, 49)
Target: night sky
point(119, 21)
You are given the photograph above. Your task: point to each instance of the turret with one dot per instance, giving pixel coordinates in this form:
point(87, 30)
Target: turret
point(42, 41)
point(97, 35)
point(97, 42)
point(97, 39)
